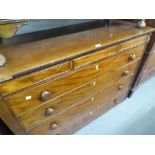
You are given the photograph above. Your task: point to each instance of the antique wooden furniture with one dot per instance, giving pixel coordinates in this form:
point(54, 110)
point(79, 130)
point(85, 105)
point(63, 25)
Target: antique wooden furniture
point(58, 85)
point(147, 67)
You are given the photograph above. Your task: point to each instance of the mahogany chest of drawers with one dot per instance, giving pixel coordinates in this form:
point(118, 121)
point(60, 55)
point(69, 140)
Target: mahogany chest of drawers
point(58, 85)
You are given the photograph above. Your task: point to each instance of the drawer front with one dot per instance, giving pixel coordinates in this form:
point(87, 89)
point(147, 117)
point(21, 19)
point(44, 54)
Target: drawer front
point(81, 61)
point(94, 57)
point(34, 78)
point(133, 43)
point(31, 98)
point(16, 84)
point(73, 126)
point(63, 103)
point(21, 107)
point(78, 116)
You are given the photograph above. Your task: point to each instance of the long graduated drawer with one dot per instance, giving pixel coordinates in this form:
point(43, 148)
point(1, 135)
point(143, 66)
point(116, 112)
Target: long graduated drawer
point(89, 109)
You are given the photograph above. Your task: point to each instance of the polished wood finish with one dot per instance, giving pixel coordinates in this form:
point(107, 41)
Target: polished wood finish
point(39, 114)
point(108, 52)
point(35, 78)
point(71, 121)
point(40, 54)
point(7, 116)
point(132, 43)
point(88, 73)
point(60, 84)
point(94, 57)
point(19, 102)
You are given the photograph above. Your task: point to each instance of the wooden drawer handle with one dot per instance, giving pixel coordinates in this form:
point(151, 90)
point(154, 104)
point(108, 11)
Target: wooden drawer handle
point(2, 60)
point(126, 72)
point(148, 38)
point(116, 100)
point(45, 95)
point(132, 57)
point(54, 125)
point(49, 111)
point(120, 87)
point(97, 67)
point(93, 83)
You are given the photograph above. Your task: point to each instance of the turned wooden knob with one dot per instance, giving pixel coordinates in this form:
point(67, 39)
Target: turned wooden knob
point(148, 38)
point(141, 23)
point(2, 60)
point(125, 73)
point(132, 57)
point(97, 67)
point(49, 111)
point(120, 87)
point(54, 125)
point(116, 100)
point(45, 95)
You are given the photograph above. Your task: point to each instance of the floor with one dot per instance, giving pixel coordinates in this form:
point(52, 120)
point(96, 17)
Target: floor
point(134, 116)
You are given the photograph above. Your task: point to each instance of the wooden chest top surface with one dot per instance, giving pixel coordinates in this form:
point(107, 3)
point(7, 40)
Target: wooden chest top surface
point(25, 58)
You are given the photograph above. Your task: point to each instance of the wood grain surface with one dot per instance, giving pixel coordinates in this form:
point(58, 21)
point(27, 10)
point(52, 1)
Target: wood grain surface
point(58, 85)
point(18, 102)
point(33, 56)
